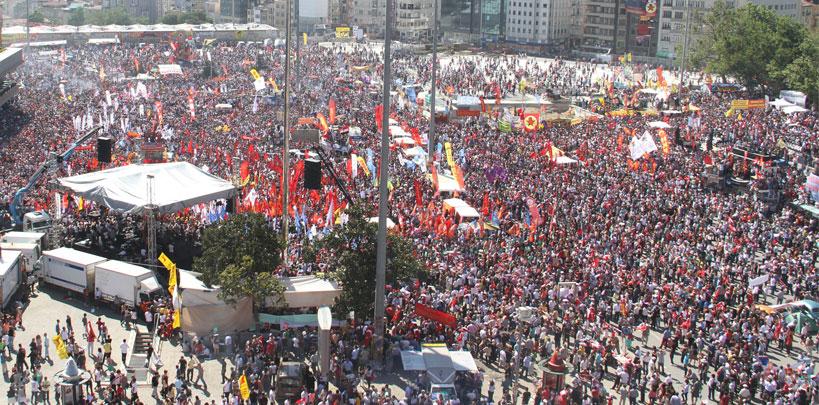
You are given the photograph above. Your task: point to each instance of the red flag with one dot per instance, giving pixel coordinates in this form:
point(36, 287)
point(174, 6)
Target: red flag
point(322, 122)
point(419, 200)
point(244, 170)
point(485, 206)
point(483, 104)
point(332, 107)
point(531, 121)
point(91, 336)
point(379, 115)
point(435, 315)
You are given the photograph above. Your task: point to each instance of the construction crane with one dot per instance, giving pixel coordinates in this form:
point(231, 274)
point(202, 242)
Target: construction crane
point(52, 162)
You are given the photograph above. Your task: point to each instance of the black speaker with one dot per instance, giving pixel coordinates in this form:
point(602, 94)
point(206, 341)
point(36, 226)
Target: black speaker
point(312, 174)
point(104, 150)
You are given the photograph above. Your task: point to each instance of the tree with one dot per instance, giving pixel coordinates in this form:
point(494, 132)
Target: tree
point(803, 73)
point(36, 17)
point(240, 255)
point(117, 16)
point(750, 43)
point(77, 17)
point(193, 17)
point(349, 254)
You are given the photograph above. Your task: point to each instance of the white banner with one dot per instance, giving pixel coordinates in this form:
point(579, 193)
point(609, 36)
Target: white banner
point(758, 281)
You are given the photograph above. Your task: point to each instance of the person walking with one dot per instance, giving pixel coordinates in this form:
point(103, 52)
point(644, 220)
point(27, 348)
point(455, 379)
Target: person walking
point(123, 350)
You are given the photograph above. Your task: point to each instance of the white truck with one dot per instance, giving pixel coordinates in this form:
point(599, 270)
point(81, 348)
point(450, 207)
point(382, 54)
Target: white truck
point(118, 281)
point(10, 276)
point(24, 237)
point(441, 365)
point(70, 269)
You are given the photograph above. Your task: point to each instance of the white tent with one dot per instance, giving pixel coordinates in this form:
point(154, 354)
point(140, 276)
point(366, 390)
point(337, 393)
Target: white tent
point(779, 103)
point(203, 310)
point(309, 292)
point(173, 69)
point(374, 220)
point(467, 212)
point(793, 109)
point(176, 186)
point(448, 184)
point(398, 132)
point(404, 141)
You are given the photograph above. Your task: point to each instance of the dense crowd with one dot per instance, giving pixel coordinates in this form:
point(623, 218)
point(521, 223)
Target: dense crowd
point(608, 250)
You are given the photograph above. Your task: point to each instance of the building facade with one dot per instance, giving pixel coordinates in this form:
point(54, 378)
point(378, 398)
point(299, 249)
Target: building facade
point(413, 18)
point(473, 21)
point(543, 22)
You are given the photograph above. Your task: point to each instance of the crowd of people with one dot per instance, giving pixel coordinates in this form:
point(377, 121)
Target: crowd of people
point(608, 250)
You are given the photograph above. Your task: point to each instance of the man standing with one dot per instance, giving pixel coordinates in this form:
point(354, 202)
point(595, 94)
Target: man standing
point(123, 349)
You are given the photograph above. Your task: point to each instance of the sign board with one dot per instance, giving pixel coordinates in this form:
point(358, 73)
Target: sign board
point(308, 136)
point(342, 32)
point(747, 104)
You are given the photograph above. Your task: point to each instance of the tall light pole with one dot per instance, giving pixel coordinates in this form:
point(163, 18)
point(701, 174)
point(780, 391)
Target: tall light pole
point(685, 49)
point(286, 150)
point(381, 249)
point(431, 137)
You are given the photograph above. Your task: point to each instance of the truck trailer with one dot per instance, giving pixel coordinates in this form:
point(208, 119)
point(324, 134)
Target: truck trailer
point(70, 269)
point(10, 277)
point(118, 281)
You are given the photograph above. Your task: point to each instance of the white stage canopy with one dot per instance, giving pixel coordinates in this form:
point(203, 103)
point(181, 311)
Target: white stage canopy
point(177, 186)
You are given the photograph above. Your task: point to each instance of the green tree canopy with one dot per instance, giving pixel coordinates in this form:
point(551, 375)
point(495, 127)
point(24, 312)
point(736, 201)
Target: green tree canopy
point(192, 17)
point(349, 253)
point(240, 255)
point(36, 17)
point(118, 16)
point(77, 17)
point(750, 43)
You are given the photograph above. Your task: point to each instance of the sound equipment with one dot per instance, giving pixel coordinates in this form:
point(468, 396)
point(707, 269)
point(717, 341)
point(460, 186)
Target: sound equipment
point(312, 174)
point(104, 150)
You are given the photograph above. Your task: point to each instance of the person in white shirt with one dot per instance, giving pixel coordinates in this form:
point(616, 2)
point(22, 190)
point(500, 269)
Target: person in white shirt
point(123, 350)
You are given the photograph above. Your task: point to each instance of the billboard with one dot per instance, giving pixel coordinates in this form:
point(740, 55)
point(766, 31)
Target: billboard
point(646, 8)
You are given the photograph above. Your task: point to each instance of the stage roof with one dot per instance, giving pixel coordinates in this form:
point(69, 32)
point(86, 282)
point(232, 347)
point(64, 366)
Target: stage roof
point(177, 186)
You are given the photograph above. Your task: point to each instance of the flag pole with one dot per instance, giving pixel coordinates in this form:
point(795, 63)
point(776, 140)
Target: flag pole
point(381, 250)
point(431, 137)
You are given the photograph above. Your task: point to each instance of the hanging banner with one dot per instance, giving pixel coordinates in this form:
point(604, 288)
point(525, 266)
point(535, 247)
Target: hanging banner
point(342, 32)
point(434, 315)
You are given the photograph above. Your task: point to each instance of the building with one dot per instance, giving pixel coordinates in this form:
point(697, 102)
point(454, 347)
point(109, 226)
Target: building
point(543, 22)
point(810, 15)
point(413, 18)
point(473, 21)
point(785, 8)
point(314, 16)
point(597, 25)
point(232, 11)
point(10, 59)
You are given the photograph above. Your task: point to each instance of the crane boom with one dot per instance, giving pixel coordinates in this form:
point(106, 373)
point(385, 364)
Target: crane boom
point(16, 206)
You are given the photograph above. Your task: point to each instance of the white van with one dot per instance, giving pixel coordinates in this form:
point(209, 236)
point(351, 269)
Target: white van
point(10, 277)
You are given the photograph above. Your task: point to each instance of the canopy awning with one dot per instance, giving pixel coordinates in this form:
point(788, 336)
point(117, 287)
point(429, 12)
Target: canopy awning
point(176, 186)
point(659, 124)
point(103, 41)
point(309, 291)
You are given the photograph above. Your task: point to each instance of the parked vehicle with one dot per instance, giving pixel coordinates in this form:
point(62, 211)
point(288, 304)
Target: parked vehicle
point(30, 259)
point(120, 282)
point(289, 380)
point(70, 269)
point(10, 277)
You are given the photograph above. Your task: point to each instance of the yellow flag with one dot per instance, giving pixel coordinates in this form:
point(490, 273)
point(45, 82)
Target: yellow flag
point(177, 319)
point(304, 36)
point(244, 389)
point(449, 159)
point(255, 74)
point(62, 351)
point(739, 116)
point(602, 101)
point(730, 112)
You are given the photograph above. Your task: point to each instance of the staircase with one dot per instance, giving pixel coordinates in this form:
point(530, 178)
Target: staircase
point(137, 359)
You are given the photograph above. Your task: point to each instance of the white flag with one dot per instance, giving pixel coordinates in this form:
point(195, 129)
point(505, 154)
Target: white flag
point(648, 142)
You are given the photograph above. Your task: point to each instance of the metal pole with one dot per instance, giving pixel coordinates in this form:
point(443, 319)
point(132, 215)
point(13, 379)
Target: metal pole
point(381, 251)
point(685, 49)
point(431, 137)
point(28, 23)
point(150, 223)
point(286, 150)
